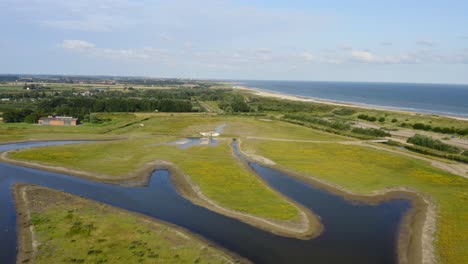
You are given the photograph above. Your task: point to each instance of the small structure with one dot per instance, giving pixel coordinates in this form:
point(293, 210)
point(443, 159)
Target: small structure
point(58, 121)
point(209, 134)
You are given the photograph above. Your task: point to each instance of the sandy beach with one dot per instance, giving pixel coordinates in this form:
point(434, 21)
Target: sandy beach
point(278, 95)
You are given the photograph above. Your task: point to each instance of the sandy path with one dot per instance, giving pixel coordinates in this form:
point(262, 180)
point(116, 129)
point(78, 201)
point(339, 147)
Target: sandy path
point(459, 169)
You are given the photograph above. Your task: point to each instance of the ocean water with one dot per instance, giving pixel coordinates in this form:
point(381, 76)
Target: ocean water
point(444, 99)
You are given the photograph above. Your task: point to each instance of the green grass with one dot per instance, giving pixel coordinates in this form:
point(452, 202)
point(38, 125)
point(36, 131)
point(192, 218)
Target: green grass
point(364, 170)
point(356, 168)
point(213, 105)
point(71, 229)
point(409, 118)
point(23, 131)
point(262, 127)
point(212, 168)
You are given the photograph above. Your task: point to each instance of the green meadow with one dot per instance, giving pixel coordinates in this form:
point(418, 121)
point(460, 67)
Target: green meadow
point(70, 229)
point(357, 168)
point(364, 170)
point(210, 167)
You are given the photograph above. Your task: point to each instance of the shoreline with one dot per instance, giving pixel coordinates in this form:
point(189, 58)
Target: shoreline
point(291, 97)
point(416, 229)
point(27, 244)
point(302, 229)
point(415, 237)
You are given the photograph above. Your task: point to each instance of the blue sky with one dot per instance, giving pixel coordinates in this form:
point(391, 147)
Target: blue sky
point(388, 41)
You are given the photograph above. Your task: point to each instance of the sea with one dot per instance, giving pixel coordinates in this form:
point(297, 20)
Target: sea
point(438, 99)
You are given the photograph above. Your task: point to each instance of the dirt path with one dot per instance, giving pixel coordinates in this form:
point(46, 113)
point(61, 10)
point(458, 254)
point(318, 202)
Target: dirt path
point(319, 141)
point(459, 169)
point(402, 134)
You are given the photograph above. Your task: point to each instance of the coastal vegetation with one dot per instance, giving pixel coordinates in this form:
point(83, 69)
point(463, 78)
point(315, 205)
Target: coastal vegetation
point(444, 130)
point(365, 170)
point(429, 142)
point(71, 229)
point(210, 167)
point(371, 132)
point(312, 139)
point(368, 118)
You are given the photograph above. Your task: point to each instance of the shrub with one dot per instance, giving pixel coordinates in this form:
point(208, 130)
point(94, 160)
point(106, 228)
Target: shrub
point(311, 119)
point(370, 132)
point(344, 111)
point(421, 126)
point(368, 118)
point(429, 142)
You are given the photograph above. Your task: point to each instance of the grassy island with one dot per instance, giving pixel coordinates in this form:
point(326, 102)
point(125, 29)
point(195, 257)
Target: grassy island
point(69, 229)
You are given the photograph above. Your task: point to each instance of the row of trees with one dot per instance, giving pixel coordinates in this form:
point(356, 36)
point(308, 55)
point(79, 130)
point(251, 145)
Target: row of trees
point(373, 118)
point(371, 132)
point(319, 121)
point(20, 115)
point(234, 103)
point(368, 118)
point(429, 142)
point(337, 126)
point(82, 107)
point(444, 130)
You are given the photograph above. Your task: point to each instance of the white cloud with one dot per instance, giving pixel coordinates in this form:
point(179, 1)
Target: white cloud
point(425, 42)
point(75, 44)
point(363, 56)
point(263, 51)
point(93, 23)
point(307, 56)
point(90, 49)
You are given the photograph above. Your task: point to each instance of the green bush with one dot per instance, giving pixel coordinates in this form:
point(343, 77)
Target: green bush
point(368, 118)
point(319, 121)
point(344, 111)
point(429, 142)
point(370, 132)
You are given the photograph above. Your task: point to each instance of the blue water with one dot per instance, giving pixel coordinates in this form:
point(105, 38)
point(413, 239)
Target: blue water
point(444, 99)
point(355, 232)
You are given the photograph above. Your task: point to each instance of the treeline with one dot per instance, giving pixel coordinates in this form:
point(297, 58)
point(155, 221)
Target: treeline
point(234, 103)
point(371, 132)
point(82, 107)
point(265, 104)
point(19, 115)
point(338, 127)
point(444, 130)
point(319, 121)
point(344, 111)
point(429, 142)
point(373, 118)
point(72, 103)
point(463, 157)
point(368, 118)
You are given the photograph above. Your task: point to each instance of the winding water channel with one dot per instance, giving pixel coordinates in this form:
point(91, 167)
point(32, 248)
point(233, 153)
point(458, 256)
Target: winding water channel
point(354, 232)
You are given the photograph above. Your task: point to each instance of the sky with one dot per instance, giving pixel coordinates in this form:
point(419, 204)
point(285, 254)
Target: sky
point(347, 40)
